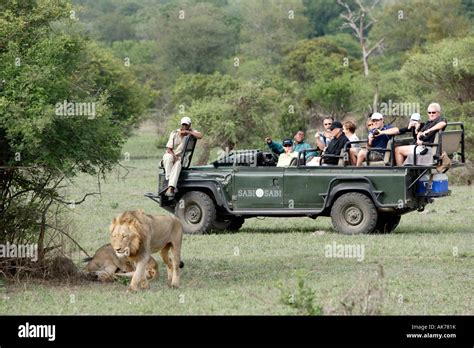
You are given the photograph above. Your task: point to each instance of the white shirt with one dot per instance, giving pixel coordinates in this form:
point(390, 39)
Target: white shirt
point(285, 159)
point(354, 137)
point(175, 142)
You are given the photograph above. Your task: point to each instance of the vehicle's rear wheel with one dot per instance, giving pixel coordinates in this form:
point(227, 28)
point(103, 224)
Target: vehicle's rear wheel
point(229, 224)
point(196, 211)
point(354, 213)
point(386, 223)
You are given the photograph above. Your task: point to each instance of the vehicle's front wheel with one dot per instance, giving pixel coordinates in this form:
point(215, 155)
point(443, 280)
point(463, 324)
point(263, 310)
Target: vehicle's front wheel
point(354, 213)
point(196, 211)
point(387, 223)
point(229, 224)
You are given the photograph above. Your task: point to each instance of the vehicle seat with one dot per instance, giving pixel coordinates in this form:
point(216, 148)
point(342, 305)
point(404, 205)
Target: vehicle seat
point(386, 159)
point(293, 162)
point(344, 159)
point(450, 143)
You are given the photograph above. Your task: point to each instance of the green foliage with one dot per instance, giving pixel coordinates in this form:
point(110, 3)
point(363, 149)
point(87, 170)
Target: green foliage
point(115, 27)
point(301, 298)
point(334, 95)
point(468, 9)
point(269, 29)
point(347, 42)
point(323, 16)
point(232, 112)
point(411, 24)
point(243, 116)
point(197, 86)
point(445, 73)
point(325, 68)
point(315, 59)
point(138, 57)
point(196, 43)
point(447, 67)
point(43, 67)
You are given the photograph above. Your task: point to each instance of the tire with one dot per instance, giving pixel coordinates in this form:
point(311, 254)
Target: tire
point(230, 224)
point(354, 213)
point(387, 223)
point(196, 211)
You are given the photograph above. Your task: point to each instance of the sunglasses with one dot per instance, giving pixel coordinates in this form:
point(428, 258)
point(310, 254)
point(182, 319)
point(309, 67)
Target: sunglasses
point(432, 112)
point(287, 145)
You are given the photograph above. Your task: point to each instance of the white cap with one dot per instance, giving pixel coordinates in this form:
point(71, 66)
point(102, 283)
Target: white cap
point(186, 120)
point(376, 116)
point(415, 117)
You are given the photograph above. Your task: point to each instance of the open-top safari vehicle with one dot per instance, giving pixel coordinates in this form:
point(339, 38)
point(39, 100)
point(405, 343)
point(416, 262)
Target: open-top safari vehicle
point(371, 198)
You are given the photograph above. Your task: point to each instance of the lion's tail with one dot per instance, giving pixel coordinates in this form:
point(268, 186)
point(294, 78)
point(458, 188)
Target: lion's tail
point(181, 264)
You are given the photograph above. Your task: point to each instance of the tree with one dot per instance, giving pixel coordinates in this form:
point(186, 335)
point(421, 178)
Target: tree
point(360, 21)
point(66, 106)
point(333, 96)
point(316, 59)
point(411, 25)
point(233, 113)
point(269, 28)
point(323, 16)
point(193, 38)
point(445, 73)
point(325, 69)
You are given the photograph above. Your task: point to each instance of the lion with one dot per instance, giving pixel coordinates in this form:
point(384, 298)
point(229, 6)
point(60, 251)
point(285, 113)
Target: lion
point(135, 235)
point(105, 265)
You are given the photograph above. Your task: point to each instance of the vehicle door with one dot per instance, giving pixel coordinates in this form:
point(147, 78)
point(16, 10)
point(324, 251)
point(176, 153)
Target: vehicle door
point(303, 186)
point(257, 187)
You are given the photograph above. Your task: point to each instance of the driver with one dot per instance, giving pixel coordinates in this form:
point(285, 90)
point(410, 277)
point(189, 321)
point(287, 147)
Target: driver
point(174, 150)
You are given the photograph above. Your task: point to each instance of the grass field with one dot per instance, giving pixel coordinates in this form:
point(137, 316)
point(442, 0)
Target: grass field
point(428, 260)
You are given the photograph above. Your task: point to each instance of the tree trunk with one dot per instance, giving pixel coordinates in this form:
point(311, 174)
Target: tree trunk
point(365, 60)
point(375, 105)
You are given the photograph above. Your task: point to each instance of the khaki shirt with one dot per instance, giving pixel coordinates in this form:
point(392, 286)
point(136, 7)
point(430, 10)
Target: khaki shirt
point(175, 142)
point(284, 160)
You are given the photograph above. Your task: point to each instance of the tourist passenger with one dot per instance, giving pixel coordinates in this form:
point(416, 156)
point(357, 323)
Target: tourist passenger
point(426, 134)
point(379, 142)
point(285, 158)
point(323, 138)
point(298, 145)
point(337, 143)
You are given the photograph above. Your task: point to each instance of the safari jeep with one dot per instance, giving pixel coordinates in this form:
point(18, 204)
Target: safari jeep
point(366, 199)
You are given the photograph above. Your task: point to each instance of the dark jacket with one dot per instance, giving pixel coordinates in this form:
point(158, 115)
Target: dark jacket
point(334, 148)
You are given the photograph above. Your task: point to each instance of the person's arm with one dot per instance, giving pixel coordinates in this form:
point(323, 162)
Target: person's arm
point(274, 146)
point(170, 145)
point(390, 131)
point(438, 126)
point(319, 143)
point(195, 133)
point(370, 138)
point(171, 152)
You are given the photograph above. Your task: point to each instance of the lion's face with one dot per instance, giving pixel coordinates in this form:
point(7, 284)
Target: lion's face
point(124, 240)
